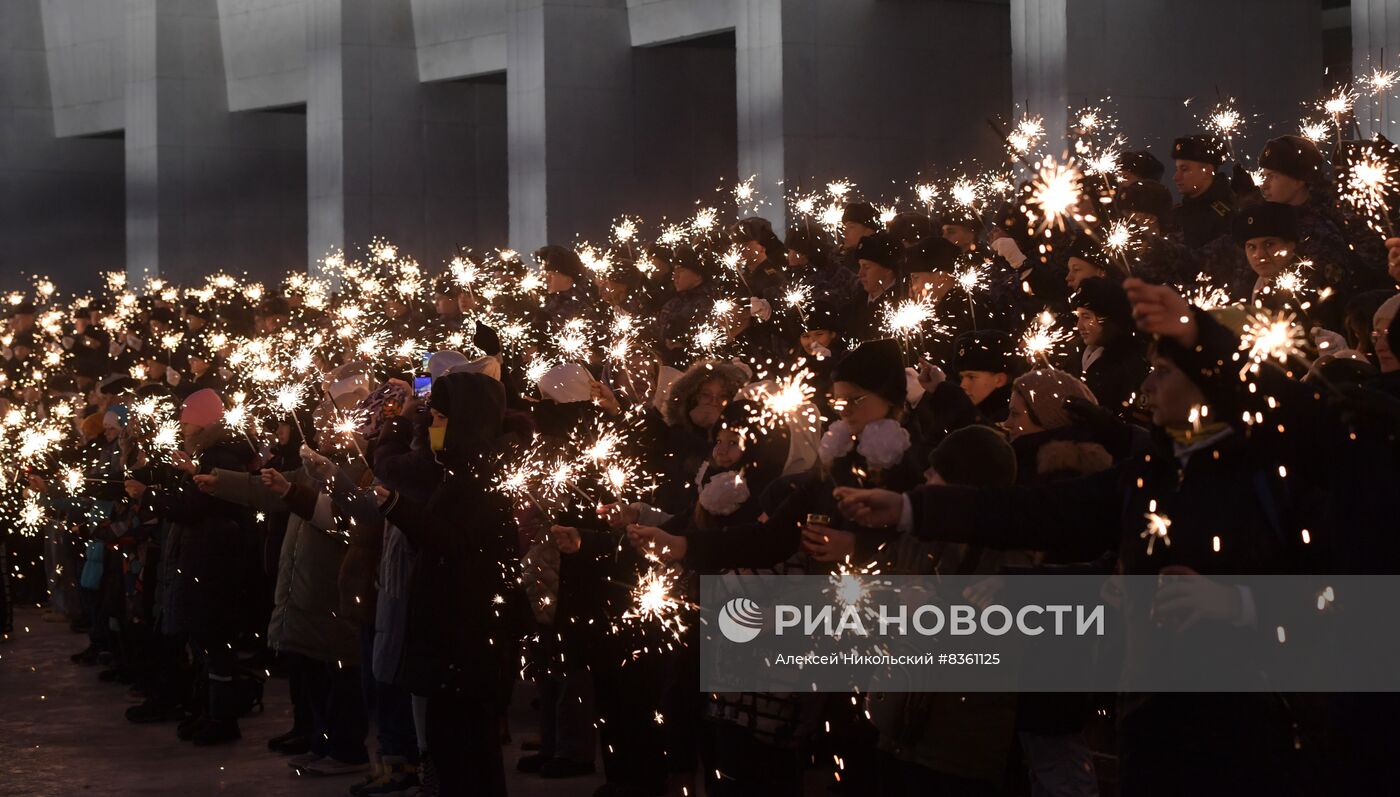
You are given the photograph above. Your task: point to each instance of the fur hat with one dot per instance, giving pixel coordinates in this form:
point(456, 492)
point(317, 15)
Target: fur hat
point(677, 408)
point(1295, 157)
point(976, 456)
point(1202, 148)
point(1266, 220)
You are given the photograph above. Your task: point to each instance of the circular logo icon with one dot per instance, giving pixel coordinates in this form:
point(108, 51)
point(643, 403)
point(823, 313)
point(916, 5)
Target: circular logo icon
point(740, 620)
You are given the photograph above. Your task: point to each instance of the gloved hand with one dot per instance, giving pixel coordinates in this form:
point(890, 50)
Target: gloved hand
point(317, 465)
point(820, 351)
point(1009, 251)
point(760, 308)
point(1328, 342)
point(913, 388)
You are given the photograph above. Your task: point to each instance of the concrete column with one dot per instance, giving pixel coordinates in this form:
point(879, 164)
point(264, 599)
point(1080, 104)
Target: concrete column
point(1375, 44)
point(1150, 58)
point(205, 189)
point(364, 111)
point(569, 128)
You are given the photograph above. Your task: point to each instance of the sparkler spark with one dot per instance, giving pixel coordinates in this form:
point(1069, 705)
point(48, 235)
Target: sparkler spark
point(1053, 195)
point(1158, 527)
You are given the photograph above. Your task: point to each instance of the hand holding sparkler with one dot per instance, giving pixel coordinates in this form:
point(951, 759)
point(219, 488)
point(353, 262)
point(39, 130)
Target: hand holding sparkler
point(825, 544)
point(1160, 310)
point(871, 508)
point(652, 540)
point(207, 482)
point(566, 538)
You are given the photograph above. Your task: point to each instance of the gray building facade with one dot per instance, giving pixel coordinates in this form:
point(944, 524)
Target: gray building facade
point(178, 137)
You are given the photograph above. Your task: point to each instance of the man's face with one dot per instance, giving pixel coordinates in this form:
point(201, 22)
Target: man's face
point(751, 252)
point(796, 258)
point(874, 278)
point(708, 403)
point(959, 236)
point(1192, 178)
point(445, 304)
point(1170, 394)
point(1078, 270)
point(852, 232)
point(930, 285)
point(194, 323)
point(466, 301)
point(1269, 256)
point(1279, 187)
point(684, 279)
point(978, 385)
point(1089, 326)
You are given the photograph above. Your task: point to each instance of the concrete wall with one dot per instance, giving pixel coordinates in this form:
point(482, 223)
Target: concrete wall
point(61, 199)
point(1150, 56)
point(873, 90)
point(265, 48)
point(86, 55)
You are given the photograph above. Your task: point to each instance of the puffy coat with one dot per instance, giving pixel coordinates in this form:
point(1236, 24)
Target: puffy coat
point(210, 539)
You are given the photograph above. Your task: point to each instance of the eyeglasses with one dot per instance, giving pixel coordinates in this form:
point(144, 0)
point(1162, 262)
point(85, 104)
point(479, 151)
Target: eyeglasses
point(844, 405)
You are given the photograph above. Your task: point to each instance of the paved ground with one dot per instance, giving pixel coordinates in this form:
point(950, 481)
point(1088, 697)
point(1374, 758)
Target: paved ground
point(62, 734)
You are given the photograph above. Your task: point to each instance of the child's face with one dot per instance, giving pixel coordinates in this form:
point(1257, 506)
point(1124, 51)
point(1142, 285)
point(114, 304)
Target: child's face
point(728, 449)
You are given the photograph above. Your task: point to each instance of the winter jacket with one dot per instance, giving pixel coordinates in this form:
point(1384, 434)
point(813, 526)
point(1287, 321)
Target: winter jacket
point(209, 541)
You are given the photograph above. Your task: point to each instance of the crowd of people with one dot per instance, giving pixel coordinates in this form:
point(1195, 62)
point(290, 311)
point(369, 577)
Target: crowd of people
point(408, 492)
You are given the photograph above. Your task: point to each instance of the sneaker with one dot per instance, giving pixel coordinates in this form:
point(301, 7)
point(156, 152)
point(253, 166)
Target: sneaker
point(214, 732)
point(326, 767)
point(396, 777)
point(532, 763)
point(372, 777)
point(298, 761)
point(558, 768)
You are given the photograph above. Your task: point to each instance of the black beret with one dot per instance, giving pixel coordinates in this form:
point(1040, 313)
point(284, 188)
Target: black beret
point(861, 213)
point(1201, 148)
point(931, 254)
point(1144, 197)
point(877, 366)
point(1086, 248)
point(1142, 163)
point(1107, 299)
point(990, 350)
point(910, 226)
point(880, 248)
point(1295, 157)
point(753, 228)
point(808, 241)
point(685, 256)
point(821, 314)
point(560, 260)
point(1266, 220)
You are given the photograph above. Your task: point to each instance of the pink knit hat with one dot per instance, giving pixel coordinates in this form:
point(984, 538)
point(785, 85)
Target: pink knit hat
point(202, 408)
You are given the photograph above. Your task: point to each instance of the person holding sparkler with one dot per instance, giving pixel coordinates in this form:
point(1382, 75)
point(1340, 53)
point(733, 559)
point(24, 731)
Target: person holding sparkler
point(1113, 361)
point(810, 263)
point(464, 612)
point(206, 535)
